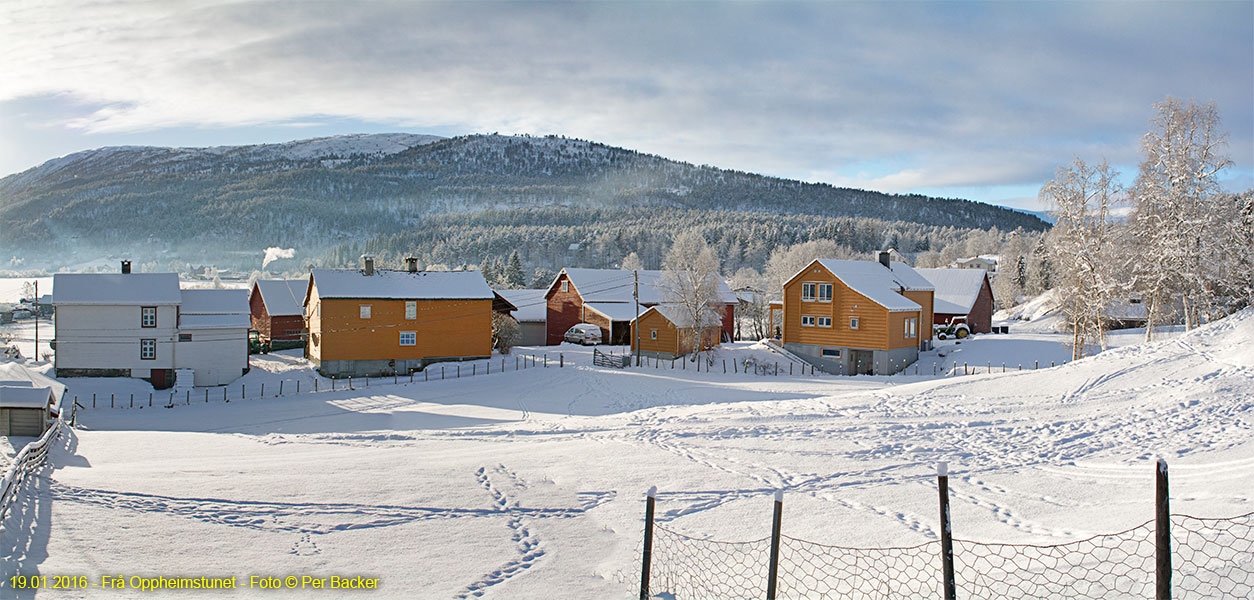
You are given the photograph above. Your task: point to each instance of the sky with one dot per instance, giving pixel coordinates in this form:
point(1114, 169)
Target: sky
point(967, 100)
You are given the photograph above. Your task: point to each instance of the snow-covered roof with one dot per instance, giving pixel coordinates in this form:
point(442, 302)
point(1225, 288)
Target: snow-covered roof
point(678, 315)
point(214, 302)
point(956, 289)
point(423, 285)
point(25, 397)
point(214, 309)
point(137, 289)
point(615, 311)
point(16, 374)
point(880, 284)
point(617, 285)
point(283, 297)
point(531, 305)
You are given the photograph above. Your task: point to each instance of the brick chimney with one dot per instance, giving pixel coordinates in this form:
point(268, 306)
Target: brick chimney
point(126, 267)
point(885, 260)
point(411, 264)
point(367, 264)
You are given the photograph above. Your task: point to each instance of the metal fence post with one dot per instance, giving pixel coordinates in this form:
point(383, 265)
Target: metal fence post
point(947, 540)
point(646, 560)
point(773, 572)
point(1162, 534)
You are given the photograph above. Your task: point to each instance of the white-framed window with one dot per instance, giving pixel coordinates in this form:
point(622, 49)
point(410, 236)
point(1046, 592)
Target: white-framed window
point(807, 320)
point(148, 316)
point(824, 321)
point(808, 291)
point(653, 334)
point(912, 328)
point(825, 292)
point(185, 337)
point(853, 322)
point(365, 311)
point(409, 338)
point(148, 349)
point(565, 285)
point(411, 309)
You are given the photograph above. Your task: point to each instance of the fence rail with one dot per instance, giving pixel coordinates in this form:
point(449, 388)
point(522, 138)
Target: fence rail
point(287, 388)
point(1173, 555)
point(32, 456)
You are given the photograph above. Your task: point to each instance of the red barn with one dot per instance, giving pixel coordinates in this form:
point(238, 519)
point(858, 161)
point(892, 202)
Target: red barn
point(962, 293)
point(278, 313)
point(603, 297)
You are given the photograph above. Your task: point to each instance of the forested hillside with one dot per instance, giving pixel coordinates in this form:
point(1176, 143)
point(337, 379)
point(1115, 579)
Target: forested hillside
point(468, 194)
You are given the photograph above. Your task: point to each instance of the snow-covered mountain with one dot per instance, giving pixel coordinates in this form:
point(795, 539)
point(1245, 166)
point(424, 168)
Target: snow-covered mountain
point(315, 194)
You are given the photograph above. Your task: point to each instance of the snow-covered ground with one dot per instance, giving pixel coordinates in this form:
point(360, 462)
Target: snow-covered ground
point(529, 484)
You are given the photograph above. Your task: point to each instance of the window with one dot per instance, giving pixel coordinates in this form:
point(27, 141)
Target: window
point(411, 310)
point(808, 292)
point(653, 334)
point(825, 322)
point(318, 311)
point(185, 337)
point(807, 320)
point(365, 311)
point(853, 322)
point(409, 338)
point(148, 316)
point(825, 292)
point(830, 352)
point(914, 328)
point(147, 349)
point(565, 285)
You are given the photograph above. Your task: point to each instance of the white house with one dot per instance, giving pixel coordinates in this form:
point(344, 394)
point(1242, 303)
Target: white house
point(213, 335)
point(141, 325)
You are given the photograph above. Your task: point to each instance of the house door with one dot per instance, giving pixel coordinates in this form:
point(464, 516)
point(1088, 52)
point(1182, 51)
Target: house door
point(863, 362)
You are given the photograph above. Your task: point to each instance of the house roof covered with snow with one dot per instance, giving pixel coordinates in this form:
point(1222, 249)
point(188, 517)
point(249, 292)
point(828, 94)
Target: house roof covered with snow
point(25, 396)
point(112, 289)
point(214, 309)
point(402, 285)
point(956, 289)
point(14, 374)
point(678, 315)
point(283, 297)
point(615, 311)
point(617, 285)
point(531, 305)
point(881, 285)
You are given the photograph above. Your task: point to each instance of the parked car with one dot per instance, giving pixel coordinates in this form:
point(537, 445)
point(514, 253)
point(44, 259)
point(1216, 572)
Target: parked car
point(956, 327)
point(586, 334)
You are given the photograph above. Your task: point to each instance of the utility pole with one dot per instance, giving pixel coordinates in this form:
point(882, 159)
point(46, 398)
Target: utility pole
point(36, 355)
point(636, 295)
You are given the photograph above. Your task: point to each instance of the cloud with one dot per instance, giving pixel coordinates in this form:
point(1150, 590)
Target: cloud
point(956, 95)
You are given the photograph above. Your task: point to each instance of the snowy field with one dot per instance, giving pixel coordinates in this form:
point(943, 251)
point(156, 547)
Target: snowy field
point(530, 484)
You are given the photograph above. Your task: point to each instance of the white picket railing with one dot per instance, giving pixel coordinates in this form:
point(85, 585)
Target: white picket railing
point(31, 457)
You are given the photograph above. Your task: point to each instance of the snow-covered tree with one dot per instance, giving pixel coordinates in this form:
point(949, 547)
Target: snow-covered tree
point(690, 280)
point(755, 307)
point(1177, 211)
point(1081, 246)
point(632, 262)
point(512, 273)
point(788, 261)
point(505, 332)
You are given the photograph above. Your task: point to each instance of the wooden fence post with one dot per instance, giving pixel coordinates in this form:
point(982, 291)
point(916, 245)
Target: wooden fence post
point(947, 539)
point(281, 387)
point(647, 558)
point(561, 360)
point(772, 576)
point(1162, 534)
point(132, 400)
point(263, 390)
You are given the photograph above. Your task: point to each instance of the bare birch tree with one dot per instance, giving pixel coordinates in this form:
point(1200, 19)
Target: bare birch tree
point(690, 281)
point(1081, 247)
point(1175, 218)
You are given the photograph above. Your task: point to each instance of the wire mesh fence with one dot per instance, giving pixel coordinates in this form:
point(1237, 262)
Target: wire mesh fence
point(1209, 558)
